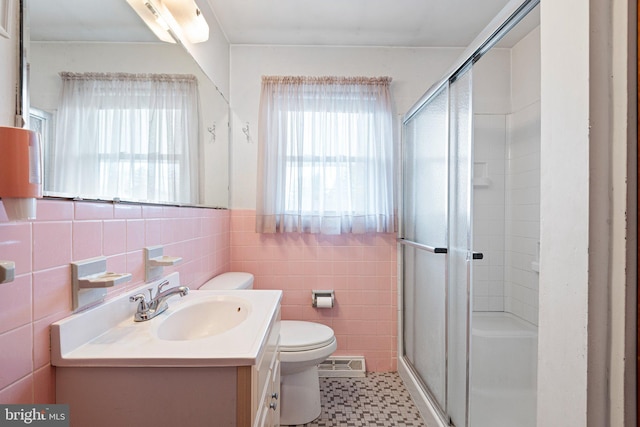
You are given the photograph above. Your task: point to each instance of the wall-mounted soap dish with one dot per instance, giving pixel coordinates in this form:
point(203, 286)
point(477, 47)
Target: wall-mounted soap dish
point(103, 280)
point(481, 175)
point(90, 280)
point(164, 261)
point(7, 271)
point(155, 261)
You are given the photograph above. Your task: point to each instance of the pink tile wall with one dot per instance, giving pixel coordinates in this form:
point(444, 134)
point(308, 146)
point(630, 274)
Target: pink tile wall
point(360, 268)
point(68, 231)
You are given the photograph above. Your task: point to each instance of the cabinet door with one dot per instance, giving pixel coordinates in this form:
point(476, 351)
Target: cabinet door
point(274, 407)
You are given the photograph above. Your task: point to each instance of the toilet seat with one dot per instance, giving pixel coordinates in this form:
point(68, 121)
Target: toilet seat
point(296, 336)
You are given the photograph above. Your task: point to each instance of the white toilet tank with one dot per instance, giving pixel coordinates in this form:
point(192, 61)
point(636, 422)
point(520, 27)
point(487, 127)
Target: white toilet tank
point(228, 281)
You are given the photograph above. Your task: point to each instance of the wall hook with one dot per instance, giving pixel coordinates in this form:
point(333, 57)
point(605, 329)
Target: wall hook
point(212, 131)
point(245, 130)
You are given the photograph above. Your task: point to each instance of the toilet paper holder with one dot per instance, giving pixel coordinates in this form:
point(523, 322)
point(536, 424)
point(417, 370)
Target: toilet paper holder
point(315, 294)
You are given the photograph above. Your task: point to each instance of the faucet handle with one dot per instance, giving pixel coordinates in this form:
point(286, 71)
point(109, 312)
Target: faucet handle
point(137, 297)
point(162, 285)
point(140, 299)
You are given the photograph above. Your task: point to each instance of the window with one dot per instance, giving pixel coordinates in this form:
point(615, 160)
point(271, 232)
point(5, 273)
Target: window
point(131, 136)
point(325, 156)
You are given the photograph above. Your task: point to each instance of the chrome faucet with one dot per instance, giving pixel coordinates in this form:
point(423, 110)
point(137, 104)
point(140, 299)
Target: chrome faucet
point(147, 310)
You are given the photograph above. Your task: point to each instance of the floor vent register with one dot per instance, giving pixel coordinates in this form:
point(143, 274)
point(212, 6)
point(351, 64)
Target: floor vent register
point(342, 367)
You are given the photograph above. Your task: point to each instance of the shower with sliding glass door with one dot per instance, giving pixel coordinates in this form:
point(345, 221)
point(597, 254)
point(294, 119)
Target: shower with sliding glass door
point(469, 233)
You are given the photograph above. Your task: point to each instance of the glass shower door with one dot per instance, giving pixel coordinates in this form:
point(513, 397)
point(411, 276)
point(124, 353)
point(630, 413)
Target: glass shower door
point(460, 254)
point(436, 242)
point(425, 169)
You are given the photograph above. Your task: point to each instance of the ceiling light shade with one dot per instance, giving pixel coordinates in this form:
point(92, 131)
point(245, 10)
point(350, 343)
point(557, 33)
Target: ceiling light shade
point(173, 20)
point(190, 19)
point(152, 18)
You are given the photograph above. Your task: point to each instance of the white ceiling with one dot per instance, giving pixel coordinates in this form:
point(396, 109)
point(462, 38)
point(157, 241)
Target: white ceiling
point(440, 23)
point(86, 20)
point(428, 23)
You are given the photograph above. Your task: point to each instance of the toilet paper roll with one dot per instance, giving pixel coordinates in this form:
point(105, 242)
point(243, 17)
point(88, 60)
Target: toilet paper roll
point(324, 302)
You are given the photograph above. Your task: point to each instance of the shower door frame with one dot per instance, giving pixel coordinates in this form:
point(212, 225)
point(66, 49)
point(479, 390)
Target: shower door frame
point(508, 17)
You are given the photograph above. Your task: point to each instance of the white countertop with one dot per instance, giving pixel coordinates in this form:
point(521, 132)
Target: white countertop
point(108, 336)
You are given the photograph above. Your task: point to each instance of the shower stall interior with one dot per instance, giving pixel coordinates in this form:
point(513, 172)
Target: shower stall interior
point(469, 234)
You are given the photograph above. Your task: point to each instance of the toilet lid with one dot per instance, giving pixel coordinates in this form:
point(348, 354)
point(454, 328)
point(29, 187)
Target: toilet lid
point(296, 335)
point(229, 281)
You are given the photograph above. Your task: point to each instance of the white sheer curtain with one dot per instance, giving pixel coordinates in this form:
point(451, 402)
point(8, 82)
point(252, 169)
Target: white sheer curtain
point(326, 155)
point(130, 136)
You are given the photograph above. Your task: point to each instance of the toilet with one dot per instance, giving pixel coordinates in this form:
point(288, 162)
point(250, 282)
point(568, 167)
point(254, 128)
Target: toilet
point(303, 345)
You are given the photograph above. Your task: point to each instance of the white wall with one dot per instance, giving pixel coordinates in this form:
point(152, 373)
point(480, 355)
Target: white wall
point(212, 55)
point(9, 68)
point(413, 71)
point(563, 340)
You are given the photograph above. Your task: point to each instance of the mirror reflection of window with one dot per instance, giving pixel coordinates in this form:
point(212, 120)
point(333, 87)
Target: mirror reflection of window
point(68, 35)
point(129, 136)
point(42, 122)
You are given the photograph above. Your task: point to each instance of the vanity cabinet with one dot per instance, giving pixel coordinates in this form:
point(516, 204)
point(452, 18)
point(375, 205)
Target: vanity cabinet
point(259, 388)
point(211, 396)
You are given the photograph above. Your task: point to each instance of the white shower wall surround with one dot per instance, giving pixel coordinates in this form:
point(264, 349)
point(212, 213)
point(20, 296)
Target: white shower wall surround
point(507, 211)
point(507, 197)
point(489, 211)
point(522, 226)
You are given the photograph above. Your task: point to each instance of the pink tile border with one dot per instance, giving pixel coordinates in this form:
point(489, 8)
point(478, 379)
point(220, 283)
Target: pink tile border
point(127, 211)
point(90, 210)
point(54, 210)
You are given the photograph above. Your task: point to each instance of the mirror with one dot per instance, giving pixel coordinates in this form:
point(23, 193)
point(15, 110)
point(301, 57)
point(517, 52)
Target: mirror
point(108, 37)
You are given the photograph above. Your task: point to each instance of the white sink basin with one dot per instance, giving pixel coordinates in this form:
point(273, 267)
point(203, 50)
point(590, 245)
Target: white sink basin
point(201, 329)
point(204, 318)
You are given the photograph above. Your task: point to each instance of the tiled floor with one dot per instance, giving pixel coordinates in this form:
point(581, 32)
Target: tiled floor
point(380, 399)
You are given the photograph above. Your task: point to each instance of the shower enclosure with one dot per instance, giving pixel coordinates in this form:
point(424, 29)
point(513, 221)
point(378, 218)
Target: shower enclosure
point(469, 229)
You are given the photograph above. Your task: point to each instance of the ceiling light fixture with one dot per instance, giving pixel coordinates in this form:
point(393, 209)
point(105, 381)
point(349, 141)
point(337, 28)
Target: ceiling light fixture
point(173, 20)
point(190, 18)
